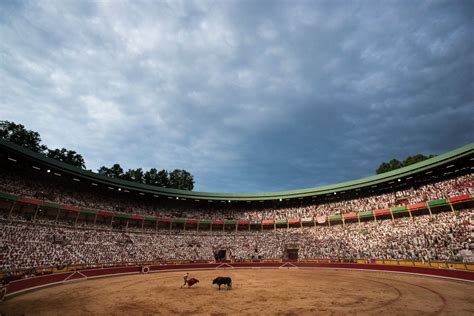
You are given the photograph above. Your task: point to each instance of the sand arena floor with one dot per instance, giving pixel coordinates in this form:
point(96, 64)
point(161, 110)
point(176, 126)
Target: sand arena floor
point(255, 292)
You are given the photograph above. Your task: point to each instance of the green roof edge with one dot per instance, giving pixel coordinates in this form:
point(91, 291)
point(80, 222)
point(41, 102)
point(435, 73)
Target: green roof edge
point(343, 186)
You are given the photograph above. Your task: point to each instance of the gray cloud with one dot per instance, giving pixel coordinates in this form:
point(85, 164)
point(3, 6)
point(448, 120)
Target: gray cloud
point(247, 96)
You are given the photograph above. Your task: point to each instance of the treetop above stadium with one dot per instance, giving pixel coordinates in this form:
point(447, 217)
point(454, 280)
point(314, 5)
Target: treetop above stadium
point(447, 160)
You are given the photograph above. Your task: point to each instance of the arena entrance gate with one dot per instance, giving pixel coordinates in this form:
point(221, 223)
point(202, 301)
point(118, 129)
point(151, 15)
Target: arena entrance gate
point(220, 254)
point(292, 253)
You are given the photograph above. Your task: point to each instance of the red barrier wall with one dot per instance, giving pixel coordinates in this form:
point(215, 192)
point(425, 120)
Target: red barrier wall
point(19, 286)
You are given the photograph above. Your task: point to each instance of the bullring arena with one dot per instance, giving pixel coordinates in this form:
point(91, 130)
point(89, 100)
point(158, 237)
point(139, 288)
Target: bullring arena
point(289, 291)
point(74, 242)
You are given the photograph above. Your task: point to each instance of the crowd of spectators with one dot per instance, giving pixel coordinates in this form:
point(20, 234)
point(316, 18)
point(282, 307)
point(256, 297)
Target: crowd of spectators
point(63, 191)
point(442, 236)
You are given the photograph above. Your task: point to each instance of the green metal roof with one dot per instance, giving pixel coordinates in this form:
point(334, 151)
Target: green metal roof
point(343, 186)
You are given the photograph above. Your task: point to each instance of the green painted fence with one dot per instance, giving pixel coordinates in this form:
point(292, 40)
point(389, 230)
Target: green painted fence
point(437, 202)
point(88, 211)
point(366, 214)
point(399, 209)
point(8, 197)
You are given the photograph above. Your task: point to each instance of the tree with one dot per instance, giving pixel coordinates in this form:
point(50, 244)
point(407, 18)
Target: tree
point(67, 156)
point(181, 179)
point(151, 177)
point(415, 158)
point(163, 179)
point(384, 167)
point(177, 179)
point(104, 171)
point(135, 175)
point(114, 172)
point(18, 134)
point(395, 164)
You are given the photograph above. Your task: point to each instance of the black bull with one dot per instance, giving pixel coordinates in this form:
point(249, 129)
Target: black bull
point(223, 280)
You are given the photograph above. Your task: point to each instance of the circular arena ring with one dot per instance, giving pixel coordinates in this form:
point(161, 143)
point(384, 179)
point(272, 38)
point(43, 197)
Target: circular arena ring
point(290, 289)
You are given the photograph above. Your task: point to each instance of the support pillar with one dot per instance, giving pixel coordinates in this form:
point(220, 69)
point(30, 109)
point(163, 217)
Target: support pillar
point(452, 208)
point(57, 215)
point(429, 210)
point(11, 209)
point(36, 212)
point(77, 217)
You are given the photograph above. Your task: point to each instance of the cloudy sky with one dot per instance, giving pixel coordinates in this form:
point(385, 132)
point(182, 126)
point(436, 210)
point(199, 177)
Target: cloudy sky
point(246, 95)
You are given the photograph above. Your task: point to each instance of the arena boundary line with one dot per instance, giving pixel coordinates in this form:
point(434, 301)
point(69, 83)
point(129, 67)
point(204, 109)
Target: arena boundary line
point(288, 265)
point(343, 269)
point(115, 271)
point(383, 271)
point(38, 287)
point(224, 266)
point(240, 268)
point(73, 274)
point(66, 280)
